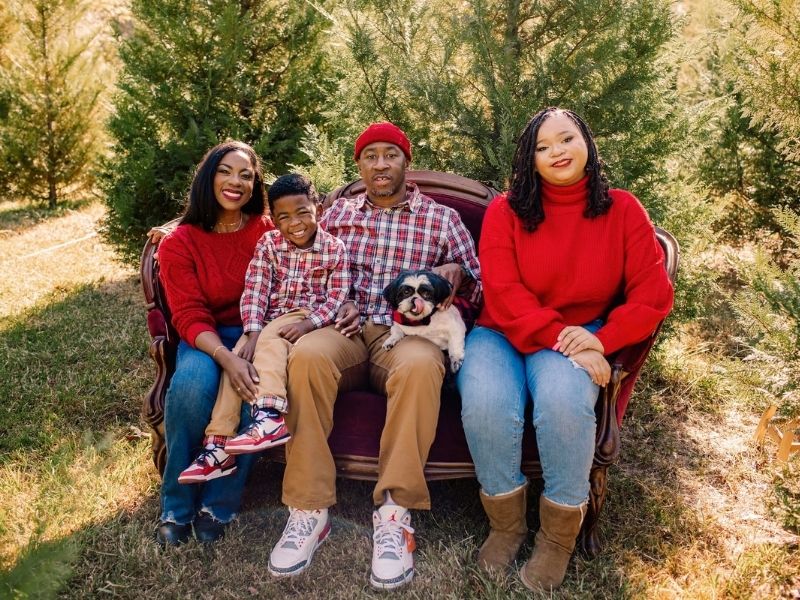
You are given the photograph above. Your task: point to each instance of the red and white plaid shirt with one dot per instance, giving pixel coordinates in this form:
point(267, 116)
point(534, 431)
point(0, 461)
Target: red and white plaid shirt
point(282, 277)
point(416, 234)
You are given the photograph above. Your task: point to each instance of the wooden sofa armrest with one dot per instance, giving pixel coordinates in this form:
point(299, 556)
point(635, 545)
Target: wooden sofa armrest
point(163, 347)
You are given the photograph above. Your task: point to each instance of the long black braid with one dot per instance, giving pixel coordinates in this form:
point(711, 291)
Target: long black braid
point(525, 191)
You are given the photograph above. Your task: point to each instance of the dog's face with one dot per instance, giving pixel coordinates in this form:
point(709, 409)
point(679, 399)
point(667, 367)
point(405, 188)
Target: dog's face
point(415, 294)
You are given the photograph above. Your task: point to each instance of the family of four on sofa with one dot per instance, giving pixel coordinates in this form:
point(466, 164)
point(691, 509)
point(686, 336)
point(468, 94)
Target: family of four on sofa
point(279, 314)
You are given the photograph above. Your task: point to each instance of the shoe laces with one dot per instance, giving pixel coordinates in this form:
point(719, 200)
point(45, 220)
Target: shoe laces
point(389, 537)
point(298, 528)
point(262, 425)
point(209, 456)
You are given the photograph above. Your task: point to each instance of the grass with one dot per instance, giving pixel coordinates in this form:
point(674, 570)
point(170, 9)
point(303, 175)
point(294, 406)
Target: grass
point(694, 511)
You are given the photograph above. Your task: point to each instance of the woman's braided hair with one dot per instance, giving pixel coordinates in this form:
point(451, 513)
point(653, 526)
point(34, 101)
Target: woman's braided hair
point(525, 191)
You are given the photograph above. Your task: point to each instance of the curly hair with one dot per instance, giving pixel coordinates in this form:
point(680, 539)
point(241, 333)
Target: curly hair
point(525, 191)
point(202, 207)
point(289, 185)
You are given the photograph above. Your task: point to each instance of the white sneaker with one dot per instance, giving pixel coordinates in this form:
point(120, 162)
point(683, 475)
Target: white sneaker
point(393, 547)
point(304, 532)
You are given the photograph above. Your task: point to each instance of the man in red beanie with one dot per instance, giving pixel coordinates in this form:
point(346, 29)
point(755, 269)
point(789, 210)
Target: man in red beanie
point(389, 228)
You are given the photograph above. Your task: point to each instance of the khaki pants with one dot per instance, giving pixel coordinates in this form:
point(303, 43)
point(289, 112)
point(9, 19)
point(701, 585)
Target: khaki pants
point(325, 362)
point(270, 360)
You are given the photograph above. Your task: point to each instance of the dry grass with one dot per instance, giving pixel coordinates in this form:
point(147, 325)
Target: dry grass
point(691, 511)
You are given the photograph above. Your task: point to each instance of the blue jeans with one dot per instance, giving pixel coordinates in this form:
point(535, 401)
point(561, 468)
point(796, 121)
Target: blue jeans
point(496, 383)
point(187, 410)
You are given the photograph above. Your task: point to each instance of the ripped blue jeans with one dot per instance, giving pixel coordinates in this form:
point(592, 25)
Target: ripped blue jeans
point(187, 410)
point(496, 383)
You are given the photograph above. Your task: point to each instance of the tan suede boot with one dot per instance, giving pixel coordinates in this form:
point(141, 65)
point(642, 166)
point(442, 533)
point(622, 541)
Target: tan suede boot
point(506, 514)
point(555, 541)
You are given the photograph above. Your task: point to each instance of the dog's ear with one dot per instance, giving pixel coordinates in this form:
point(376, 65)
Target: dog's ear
point(441, 287)
point(390, 291)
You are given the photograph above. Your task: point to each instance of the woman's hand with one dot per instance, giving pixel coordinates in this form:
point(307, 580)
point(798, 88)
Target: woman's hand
point(455, 275)
point(574, 339)
point(248, 351)
point(294, 331)
point(595, 364)
point(242, 373)
point(347, 319)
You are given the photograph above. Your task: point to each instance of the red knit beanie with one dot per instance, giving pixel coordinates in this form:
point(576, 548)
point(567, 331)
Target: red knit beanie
point(383, 132)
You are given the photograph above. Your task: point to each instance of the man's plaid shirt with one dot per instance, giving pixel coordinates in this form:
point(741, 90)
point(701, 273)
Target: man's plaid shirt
point(416, 234)
point(282, 277)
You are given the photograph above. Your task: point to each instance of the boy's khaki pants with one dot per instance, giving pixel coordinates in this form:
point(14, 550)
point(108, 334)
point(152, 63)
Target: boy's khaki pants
point(270, 359)
point(324, 362)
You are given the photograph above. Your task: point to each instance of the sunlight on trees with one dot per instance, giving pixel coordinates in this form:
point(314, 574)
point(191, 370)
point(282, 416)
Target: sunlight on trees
point(48, 129)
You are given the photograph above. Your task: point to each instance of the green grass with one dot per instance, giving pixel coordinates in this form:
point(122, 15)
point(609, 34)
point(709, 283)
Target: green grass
point(693, 511)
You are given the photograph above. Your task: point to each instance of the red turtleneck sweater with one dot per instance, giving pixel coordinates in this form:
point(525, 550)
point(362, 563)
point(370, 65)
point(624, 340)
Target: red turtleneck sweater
point(203, 275)
point(572, 270)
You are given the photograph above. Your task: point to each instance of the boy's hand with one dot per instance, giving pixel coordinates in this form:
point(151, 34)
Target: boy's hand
point(347, 319)
point(248, 351)
point(295, 331)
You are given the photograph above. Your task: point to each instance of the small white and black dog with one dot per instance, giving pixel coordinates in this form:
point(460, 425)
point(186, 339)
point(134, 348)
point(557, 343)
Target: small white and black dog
point(416, 298)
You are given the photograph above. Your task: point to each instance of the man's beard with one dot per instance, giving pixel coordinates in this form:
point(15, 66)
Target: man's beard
point(389, 192)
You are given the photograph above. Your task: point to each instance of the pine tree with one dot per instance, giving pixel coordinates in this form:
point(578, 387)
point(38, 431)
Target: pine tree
point(49, 100)
point(744, 164)
point(768, 308)
point(464, 77)
point(769, 74)
point(195, 73)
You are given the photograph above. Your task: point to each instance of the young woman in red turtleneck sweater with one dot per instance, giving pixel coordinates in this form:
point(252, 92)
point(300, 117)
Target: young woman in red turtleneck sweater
point(572, 271)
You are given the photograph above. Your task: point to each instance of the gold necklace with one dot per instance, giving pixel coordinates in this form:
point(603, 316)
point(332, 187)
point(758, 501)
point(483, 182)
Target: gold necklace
point(226, 225)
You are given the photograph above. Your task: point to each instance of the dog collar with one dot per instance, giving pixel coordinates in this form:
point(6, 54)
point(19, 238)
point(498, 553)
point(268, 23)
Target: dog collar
point(400, 318)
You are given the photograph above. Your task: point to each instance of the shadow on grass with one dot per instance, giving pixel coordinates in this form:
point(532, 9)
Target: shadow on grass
point(79, 364)
point(15, 218)
point(644, 522)
point(75, 362)
point(117, 556)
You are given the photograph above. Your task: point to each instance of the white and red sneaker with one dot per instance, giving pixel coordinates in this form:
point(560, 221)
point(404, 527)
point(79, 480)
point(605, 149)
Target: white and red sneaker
point(393, 547)
point(213, 462)
point(267, 430)
point(304, 532)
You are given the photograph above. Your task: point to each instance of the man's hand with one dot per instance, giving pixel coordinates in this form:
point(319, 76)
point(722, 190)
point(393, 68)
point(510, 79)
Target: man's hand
point(347, 319)
point(243, 375)
point(156, 234)
point(455, 275)
point(595, 364)
point(294, 331)
point(574, 339)
point(249, 349)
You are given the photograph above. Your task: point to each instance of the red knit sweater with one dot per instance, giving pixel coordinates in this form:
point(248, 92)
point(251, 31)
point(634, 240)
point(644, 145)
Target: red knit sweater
point(572, 270)
point(203, 275)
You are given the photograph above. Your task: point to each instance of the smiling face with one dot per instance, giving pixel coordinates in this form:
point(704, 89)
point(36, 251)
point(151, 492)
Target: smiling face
point(233, 181)
point(296, 216)
point(561, 151)
point(383, 166)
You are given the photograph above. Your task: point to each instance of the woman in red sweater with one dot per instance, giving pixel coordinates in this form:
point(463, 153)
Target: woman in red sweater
point(572, 271)
point(203, 264)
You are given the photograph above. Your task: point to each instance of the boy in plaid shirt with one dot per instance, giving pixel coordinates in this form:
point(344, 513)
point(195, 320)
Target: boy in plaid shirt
point(296, 282)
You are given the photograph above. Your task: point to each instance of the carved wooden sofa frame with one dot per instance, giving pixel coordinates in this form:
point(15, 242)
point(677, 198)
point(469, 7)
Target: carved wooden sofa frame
point(359, 415)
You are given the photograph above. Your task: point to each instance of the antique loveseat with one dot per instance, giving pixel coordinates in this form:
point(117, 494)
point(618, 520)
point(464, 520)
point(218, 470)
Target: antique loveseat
point(359, 415)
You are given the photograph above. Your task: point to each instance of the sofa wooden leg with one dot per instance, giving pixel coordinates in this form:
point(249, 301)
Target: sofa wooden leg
point(589, 540)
